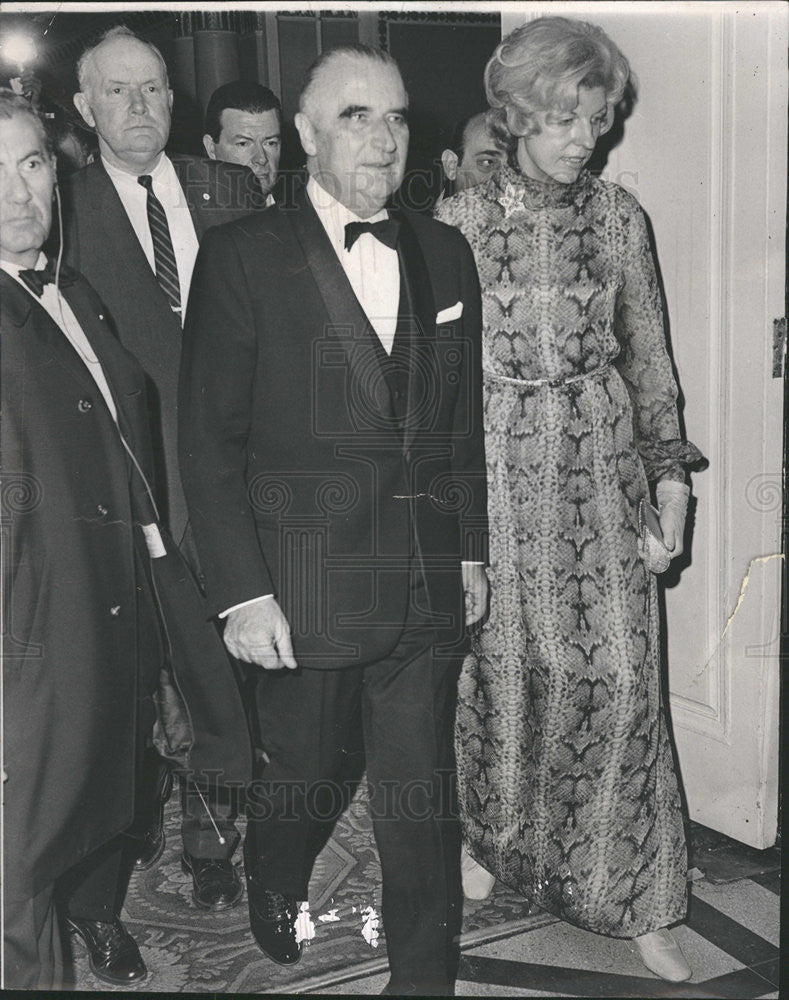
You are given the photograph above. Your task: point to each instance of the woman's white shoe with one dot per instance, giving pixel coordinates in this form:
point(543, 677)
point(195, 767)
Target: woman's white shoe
point(661, 954)
point(477, 881)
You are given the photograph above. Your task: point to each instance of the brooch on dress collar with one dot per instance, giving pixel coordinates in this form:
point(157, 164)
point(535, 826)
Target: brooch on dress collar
point(511, 200)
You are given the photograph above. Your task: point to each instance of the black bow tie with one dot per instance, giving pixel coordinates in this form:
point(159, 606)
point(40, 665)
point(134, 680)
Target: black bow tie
point(387, 231)
point(35, 280)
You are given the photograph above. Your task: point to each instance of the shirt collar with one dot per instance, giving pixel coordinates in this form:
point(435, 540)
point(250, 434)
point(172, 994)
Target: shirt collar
point(13, 269)
point(158, 172)
point(333, 214)
point(165, 179)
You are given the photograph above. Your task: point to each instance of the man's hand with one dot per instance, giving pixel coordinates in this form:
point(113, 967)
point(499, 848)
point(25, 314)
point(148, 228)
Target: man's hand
point(475, 591)
point(259, 633)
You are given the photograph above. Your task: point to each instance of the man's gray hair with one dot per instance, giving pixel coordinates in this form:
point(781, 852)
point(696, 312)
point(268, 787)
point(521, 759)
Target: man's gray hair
point(85, 63)
point(352, 51)
point(13, 105)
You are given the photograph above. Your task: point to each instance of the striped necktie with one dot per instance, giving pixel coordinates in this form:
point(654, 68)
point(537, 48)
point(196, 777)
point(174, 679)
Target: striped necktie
point(163, 253)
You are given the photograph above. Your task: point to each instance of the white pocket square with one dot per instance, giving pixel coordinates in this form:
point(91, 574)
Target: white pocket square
point(447, 315)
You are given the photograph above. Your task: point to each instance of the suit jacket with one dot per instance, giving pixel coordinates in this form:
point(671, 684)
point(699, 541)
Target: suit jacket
point(100, 242)
point(82, 635)
point(299, 479)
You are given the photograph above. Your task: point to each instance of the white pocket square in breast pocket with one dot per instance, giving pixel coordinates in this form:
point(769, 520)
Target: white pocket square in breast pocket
point(447, 315)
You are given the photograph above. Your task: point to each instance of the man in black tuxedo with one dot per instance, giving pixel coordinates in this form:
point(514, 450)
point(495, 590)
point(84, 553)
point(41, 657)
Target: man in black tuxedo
point(87, 578)
point(332, 451)
point(134, 219)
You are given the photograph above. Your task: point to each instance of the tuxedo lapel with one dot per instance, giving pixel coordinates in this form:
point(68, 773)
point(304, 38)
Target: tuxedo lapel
point(348, 322)
point(17, 302)
point(23, 310)
point(417, 297)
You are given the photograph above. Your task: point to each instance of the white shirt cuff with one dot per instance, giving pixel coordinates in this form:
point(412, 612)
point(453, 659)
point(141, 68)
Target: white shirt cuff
point(265, 597)
point(243, 604)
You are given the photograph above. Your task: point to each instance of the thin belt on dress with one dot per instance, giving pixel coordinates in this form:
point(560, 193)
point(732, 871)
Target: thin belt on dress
point(551, 383)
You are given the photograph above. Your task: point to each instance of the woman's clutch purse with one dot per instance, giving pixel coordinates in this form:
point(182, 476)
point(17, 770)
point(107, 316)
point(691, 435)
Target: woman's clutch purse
point(650, 538)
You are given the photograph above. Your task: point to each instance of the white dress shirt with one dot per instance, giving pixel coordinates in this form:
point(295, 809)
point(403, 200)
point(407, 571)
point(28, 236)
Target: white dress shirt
point(168, 190)
point(55, 304)
point(372, 268)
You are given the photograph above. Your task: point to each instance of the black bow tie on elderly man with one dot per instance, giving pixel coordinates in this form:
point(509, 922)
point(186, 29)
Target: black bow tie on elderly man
point(35, 280)
point(387, 231)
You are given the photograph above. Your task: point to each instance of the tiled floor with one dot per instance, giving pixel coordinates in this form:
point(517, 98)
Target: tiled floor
point(730, 941)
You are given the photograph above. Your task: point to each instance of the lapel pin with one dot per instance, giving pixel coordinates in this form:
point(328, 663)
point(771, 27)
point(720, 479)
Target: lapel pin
point(206, 196)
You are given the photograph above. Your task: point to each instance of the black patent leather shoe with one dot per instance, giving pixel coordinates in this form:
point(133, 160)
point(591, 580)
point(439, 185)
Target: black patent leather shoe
point(150, 846)
point(272, 920)
point(216, 884)
point(112, 952)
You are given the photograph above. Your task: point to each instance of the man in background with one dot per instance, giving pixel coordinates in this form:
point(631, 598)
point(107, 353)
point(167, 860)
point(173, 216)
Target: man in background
point(473, 156)
point(243, 124)
point(134, 220)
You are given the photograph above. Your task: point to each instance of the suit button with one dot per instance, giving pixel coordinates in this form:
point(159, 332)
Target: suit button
point(115, 611)
point(85, 405)
point(101, 510)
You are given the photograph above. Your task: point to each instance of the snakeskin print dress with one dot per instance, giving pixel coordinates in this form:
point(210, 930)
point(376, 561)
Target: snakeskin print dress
point(567, 784)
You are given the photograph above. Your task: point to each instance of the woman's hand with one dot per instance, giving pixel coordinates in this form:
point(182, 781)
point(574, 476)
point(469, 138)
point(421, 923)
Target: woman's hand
point(672, 501)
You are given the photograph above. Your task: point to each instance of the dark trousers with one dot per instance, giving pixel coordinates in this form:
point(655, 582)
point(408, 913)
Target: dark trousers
point(208, 812)
point(404, 705)
point(32, 954)
point(94, 889)
point(208, 829)
point(91, 890)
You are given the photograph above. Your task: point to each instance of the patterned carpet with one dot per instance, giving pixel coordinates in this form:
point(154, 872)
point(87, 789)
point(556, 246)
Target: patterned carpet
point(187, 949)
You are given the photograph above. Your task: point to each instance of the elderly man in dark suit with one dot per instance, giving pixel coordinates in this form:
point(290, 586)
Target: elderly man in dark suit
point(333, 462)
point(87, 577)
point(134, 220)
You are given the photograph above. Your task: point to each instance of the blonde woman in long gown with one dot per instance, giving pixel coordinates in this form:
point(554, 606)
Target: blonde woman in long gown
point(567, 783)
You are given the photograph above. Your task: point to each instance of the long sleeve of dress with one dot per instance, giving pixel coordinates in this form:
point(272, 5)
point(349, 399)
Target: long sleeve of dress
point(644, 363)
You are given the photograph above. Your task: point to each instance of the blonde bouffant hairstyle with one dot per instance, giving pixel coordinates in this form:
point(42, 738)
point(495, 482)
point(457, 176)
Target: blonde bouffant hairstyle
point(541, 65)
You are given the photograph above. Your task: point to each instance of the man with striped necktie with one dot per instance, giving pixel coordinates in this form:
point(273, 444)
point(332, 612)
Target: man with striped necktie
point(134, 220)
